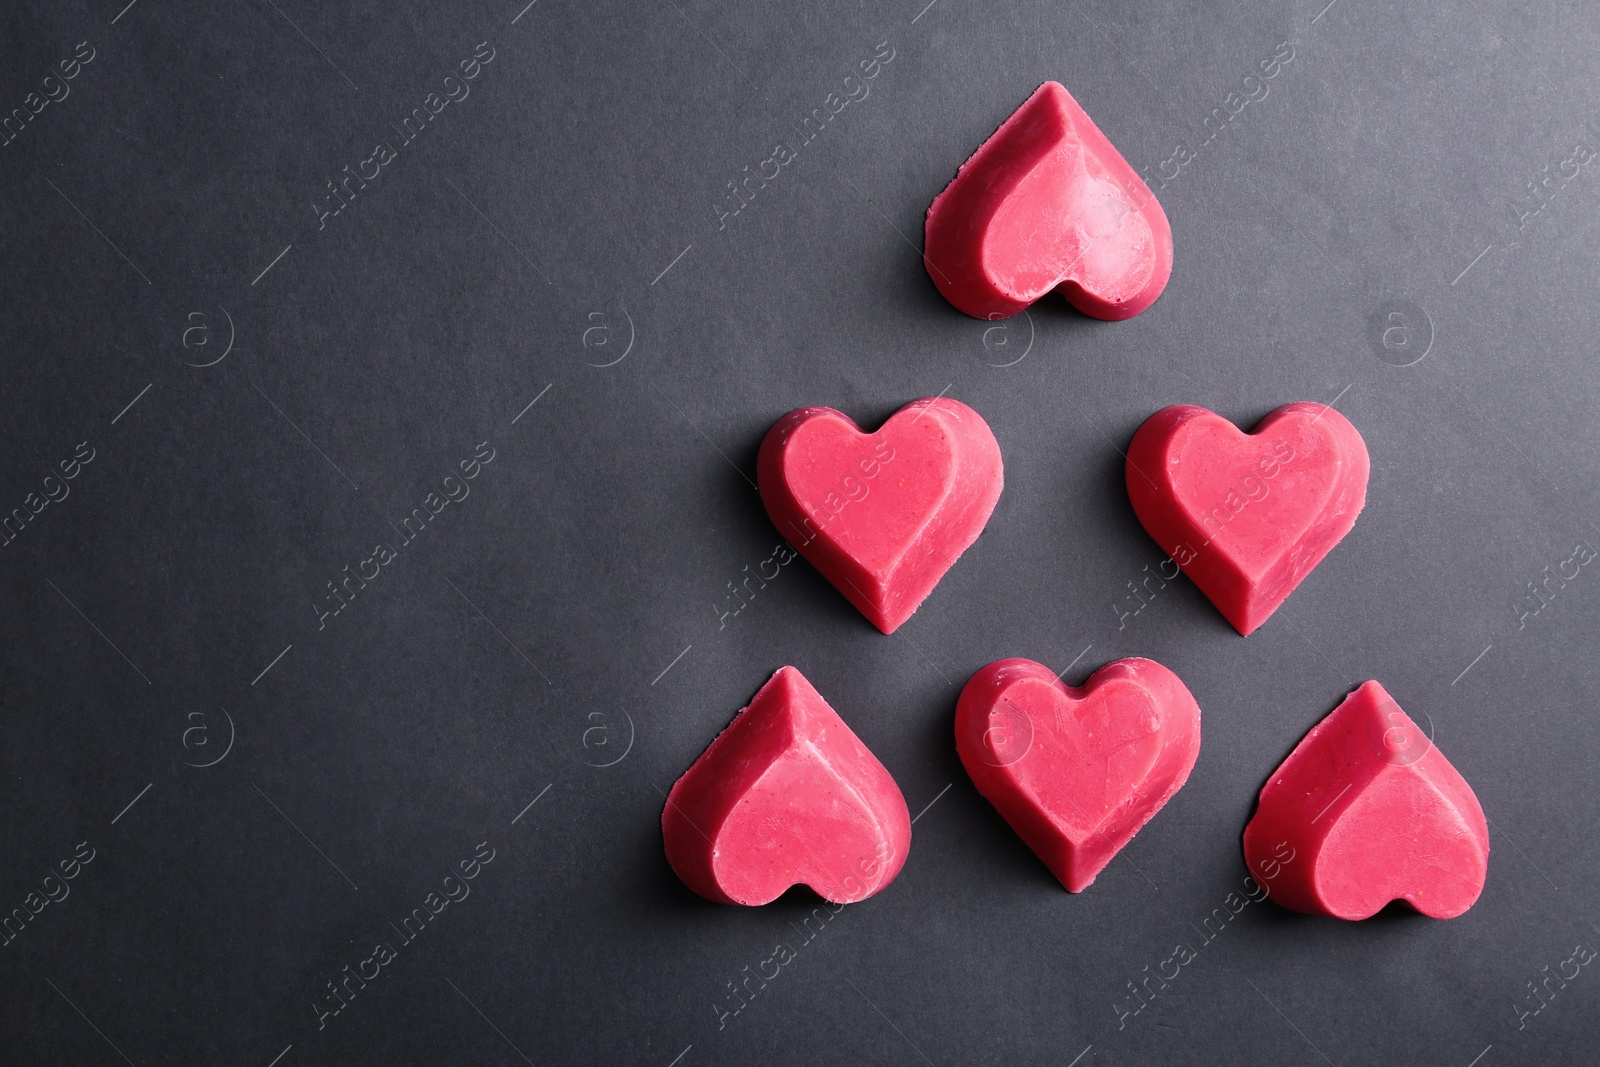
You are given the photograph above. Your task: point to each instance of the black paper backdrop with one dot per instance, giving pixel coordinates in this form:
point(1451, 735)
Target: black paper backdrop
point(277, 270)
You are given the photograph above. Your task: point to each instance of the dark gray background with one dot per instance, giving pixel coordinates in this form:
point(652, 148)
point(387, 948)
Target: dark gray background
point(521, 640)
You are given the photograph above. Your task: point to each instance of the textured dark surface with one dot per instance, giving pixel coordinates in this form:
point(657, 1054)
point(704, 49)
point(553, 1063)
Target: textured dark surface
point(569, 206)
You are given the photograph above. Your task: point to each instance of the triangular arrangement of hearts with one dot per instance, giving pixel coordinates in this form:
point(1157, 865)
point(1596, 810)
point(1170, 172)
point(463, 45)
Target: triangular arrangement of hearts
point(1247, 516)
point(883, 515)
point(1077, 772)
point(1365, 811)
point(1046, 203)
point(786, 795)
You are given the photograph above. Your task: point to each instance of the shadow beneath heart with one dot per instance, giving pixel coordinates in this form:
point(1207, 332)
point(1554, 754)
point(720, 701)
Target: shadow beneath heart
point(985, 849)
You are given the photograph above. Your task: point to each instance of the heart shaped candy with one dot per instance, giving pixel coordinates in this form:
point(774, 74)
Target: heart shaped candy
point(1364, 811)
point(787, 794)
point(1247, 516)
point(1048, 203)
point(1077, 772)
point(882, 515)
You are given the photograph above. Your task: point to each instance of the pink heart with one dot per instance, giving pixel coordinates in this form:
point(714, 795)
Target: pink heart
point(883, 515)
point(1077, 772)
